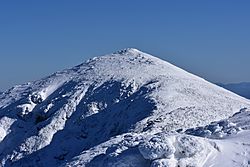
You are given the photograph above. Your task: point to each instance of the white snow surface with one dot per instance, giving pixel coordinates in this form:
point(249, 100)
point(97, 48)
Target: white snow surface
point(123, 109)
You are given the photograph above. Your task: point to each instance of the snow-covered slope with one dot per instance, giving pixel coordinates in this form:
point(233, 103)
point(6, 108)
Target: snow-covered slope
point(114, 110)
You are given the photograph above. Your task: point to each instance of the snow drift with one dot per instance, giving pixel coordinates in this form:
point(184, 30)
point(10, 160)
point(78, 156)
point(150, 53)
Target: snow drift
point(123, 109)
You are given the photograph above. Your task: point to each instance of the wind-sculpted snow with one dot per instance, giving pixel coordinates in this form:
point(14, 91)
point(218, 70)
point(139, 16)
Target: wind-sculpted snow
point(161, 149)
point(120, 109)
point(224, 128)
point(173, 149)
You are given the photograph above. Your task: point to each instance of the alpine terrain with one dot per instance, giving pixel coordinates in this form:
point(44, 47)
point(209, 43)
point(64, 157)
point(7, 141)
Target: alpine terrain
point(123, 109)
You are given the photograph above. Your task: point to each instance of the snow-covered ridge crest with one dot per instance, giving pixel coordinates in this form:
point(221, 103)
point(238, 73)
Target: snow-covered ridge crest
point(77, 114)
point(131, 51)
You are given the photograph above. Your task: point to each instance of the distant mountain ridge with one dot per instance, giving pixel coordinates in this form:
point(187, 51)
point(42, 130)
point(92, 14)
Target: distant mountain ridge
point(242, 89)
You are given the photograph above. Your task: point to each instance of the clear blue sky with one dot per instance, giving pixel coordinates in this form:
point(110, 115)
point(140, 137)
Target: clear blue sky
point(209, 38)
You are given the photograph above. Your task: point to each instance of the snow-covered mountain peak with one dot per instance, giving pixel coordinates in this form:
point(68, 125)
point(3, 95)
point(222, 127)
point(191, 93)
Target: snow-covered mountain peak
point(72, 112)
point(130, 51)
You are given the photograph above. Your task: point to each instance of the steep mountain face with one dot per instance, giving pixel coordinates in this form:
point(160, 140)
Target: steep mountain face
point(242, 89)
point(100, 111)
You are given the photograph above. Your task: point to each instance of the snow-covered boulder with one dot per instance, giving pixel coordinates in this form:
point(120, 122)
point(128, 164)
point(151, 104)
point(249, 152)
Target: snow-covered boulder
point(164, 163)
point(157, 147)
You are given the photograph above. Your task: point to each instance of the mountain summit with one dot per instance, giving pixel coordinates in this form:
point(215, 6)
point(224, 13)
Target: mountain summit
point(99, 112)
